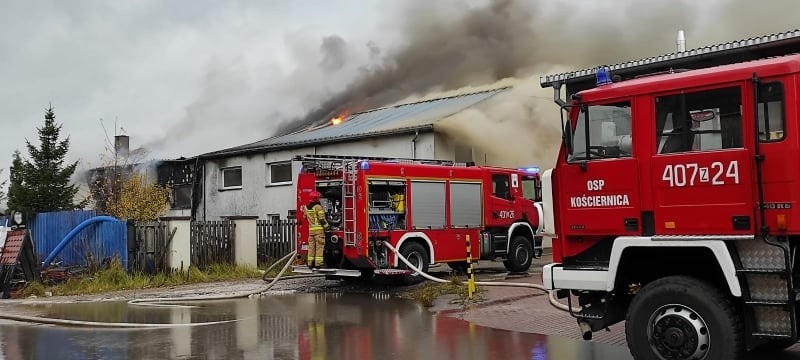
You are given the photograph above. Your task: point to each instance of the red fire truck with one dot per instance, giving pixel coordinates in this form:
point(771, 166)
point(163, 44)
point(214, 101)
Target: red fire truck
point(673, 205)
point(424, 208)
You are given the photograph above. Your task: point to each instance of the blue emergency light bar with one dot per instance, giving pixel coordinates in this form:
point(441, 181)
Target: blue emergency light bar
point(530, 169)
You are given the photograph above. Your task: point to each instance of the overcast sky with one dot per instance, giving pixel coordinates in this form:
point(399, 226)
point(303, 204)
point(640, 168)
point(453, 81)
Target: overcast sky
point(188, 77)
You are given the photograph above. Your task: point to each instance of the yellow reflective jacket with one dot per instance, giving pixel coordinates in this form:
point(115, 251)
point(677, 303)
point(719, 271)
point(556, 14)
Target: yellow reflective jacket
point(315, 215)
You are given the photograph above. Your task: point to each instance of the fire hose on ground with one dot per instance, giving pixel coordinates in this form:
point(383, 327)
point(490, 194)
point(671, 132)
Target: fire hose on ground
point(174, 301)
point(550, 294)
point(165, 302)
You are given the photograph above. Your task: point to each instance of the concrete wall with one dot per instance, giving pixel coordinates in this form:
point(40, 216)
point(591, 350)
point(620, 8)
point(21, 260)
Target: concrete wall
point(257, 198)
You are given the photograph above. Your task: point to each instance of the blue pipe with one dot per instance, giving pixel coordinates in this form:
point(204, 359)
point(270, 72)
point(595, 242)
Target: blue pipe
point(72, 234)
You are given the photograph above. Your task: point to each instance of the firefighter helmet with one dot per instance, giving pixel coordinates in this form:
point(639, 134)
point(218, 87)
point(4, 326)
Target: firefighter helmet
point(315, 195)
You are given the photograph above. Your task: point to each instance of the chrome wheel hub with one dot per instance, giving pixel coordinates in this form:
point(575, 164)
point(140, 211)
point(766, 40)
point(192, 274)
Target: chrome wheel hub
point(677, 332)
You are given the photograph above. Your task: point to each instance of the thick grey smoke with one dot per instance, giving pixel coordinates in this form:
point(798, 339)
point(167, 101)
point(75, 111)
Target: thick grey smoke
point(445, 46)
point(449, 46)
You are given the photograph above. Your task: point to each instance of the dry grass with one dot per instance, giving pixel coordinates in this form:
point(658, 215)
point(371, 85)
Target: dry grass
point(429, 292)
point(116, 278)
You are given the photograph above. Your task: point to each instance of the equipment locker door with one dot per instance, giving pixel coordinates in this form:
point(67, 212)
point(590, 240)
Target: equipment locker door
point(599, 186)
point(700, 167)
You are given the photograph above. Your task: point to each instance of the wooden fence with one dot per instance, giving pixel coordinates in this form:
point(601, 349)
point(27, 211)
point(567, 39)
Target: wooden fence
point(276, 238)
point(211, 242)
point(148, 252)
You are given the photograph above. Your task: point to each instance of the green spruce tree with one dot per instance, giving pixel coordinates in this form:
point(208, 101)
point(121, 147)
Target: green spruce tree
point(18, 194)
point(43, 181)
point(2, 192)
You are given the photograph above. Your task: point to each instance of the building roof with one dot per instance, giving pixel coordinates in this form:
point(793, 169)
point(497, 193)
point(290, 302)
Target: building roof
point(713, 55)
point(391, 120)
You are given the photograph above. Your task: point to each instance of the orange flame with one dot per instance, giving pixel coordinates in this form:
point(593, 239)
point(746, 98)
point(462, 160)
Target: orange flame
point(337, 120)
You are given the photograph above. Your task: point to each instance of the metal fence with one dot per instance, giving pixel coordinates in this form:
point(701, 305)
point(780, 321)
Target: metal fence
point(211, 242)
point(148, 246)
point(276, 238)
point(90, 247)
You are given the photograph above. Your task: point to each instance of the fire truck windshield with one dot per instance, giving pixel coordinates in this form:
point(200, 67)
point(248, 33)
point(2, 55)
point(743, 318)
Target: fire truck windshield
point(607, 133)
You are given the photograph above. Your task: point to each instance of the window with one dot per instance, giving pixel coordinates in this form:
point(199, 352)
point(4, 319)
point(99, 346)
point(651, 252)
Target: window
point(279, 173)
point(501, 186)
point(699, 121)
point(771, 113)
point(232, 178)
point(181, 196)
point(608, 134)
point(274, 218)
point(531, 188)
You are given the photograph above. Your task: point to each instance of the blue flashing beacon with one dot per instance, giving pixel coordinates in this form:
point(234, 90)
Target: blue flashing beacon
point(603, 76)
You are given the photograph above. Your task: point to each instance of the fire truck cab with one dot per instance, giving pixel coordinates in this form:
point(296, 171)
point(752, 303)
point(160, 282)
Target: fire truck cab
point(426, 209)
point(673, 206)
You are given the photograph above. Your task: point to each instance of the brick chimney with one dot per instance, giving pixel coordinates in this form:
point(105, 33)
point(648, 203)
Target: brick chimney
point(121, 146)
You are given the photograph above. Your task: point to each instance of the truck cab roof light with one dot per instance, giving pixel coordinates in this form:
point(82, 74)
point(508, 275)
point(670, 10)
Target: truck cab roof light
point(603, 76)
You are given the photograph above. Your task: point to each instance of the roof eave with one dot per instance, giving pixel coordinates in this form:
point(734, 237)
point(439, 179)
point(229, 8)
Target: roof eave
point(298, 144)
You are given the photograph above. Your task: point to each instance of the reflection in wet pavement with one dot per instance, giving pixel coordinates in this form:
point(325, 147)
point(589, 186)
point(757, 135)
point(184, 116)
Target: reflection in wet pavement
point(298, 326)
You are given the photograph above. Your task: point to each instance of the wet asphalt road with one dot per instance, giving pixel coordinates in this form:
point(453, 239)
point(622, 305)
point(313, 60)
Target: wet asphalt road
point(295, 326)
point(292, 326)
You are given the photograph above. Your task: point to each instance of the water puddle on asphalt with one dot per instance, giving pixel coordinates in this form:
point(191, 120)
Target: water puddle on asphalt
point(295, 326)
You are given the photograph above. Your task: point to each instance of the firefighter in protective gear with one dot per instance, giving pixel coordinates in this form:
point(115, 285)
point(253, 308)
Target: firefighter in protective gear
point(317, 226)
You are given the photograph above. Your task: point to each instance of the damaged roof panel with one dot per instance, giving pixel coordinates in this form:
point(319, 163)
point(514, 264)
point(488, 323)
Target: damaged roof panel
point(382, 121)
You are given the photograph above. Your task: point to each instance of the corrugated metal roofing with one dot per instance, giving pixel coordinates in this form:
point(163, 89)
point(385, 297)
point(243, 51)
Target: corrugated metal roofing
point(688, 55)
point(381, 121)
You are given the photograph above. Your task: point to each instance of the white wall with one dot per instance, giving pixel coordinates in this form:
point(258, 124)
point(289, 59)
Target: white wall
point(256, 198)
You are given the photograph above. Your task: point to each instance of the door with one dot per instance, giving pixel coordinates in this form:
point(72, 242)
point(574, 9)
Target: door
point(501, 209)
point(598, 189)
point(779, 170)
point(700, 167)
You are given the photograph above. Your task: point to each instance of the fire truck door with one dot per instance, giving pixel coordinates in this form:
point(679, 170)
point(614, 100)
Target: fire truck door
point(599, 185)
point(778, 174)
point(502, 200)
point(701, 169)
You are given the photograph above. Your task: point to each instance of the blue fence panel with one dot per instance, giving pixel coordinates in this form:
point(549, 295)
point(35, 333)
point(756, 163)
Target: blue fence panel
point(103, 240)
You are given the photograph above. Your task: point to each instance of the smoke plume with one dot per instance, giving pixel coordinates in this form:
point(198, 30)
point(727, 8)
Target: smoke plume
point(451, 48)
point(448, 47)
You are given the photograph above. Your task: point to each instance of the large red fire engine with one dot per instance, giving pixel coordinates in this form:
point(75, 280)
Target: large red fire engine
point(424, 208)
point(674, 206)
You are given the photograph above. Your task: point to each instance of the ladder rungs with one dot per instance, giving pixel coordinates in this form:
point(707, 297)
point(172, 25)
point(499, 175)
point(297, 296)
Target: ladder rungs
point(767, 303)
point(773, 335)
point(761, 271)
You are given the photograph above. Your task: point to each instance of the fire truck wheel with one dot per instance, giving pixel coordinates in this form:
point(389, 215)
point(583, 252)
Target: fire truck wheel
point(520, 255)
point(679, 317)
point(418, 256)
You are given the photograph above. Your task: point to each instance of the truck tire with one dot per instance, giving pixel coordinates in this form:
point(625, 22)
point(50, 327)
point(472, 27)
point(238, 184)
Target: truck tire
point(679, 317)
point(520, 255)
point(417, 255)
